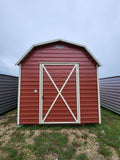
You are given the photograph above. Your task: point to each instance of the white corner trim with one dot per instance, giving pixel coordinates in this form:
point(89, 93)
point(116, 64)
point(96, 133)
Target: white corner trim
point(56, 40)
point(78, 93)
point(98, 90)
point(19, 87)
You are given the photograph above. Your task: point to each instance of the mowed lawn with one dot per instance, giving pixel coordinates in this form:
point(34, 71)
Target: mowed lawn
point(88, 142)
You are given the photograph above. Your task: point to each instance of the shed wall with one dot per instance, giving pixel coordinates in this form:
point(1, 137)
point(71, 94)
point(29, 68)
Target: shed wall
point(8, 93)
point(29, 101)
point(110, 93)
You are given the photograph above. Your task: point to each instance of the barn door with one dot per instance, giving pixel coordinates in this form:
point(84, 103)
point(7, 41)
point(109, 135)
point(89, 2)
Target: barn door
point(59, 100)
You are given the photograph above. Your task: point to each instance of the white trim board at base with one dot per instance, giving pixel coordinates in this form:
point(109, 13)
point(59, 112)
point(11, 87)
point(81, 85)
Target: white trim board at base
point(60, 123)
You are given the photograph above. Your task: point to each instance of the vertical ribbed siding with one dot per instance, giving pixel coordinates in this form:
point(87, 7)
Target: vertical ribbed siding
point(8, 93)
point(110, 93)
point(29, 100)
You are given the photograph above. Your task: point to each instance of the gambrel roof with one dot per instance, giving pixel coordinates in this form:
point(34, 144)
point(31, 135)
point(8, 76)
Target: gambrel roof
point(57, 40)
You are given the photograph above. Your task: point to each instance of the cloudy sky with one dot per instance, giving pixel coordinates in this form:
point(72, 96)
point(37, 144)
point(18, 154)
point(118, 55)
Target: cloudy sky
point(93, 23)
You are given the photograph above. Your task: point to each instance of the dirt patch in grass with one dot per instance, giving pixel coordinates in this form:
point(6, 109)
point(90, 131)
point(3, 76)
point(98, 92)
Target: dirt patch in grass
point(30, 135)
point(7, 136)
point(2, 129)
point(85, 142)
point(6, 132)
point(90, 148)
point(114, 155)
point(28, 155)
point(51, 156)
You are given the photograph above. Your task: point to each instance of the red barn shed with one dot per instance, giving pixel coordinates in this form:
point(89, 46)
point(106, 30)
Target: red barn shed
point(58, 83)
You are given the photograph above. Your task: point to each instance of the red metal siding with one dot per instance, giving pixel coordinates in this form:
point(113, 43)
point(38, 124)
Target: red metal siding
point(29, 101)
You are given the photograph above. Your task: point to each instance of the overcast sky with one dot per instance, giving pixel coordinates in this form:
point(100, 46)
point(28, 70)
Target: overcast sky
point(93, 23)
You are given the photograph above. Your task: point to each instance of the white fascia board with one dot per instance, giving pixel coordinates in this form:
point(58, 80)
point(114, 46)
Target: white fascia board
point(35, 45)
point(19, 88)
point(99, 64)
point(24, 55)
point(57, 40)
point(80, 45)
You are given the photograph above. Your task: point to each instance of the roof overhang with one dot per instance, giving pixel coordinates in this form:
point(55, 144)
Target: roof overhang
point(53, 41)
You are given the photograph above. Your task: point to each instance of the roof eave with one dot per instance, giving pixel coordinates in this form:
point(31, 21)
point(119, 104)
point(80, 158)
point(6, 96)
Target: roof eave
point(56, 40)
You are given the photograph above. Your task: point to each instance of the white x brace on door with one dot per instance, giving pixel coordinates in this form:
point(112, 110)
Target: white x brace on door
point(75, 67)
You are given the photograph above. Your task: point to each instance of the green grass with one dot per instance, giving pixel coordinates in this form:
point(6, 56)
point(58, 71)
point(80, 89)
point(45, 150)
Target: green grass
point(12, 118)
point(111, 136)
point(104, 150)
point(47, 127)
point(111, 126)
point(11, 153)
point(84, 136)
point(52, 143)
point(17, 136)
point(82, 156)
point(57, 144)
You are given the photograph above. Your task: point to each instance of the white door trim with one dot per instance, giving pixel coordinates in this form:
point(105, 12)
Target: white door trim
point(78, 92)
point(42, 66)
point(59, 93)
point(40, 94)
